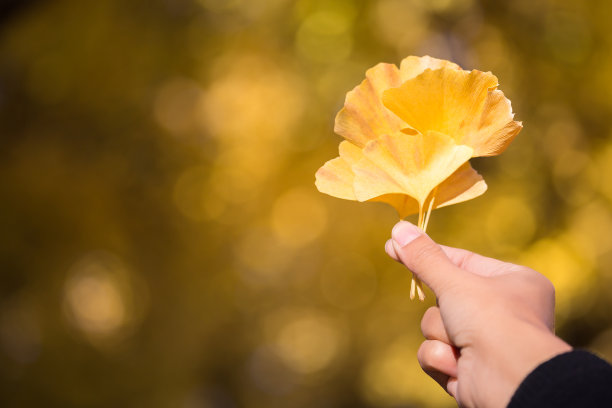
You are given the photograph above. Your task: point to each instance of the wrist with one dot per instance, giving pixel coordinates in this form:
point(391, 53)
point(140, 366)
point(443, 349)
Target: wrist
point(519, 352)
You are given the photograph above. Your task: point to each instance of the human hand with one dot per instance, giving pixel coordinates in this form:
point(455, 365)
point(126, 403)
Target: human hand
point(493, 324)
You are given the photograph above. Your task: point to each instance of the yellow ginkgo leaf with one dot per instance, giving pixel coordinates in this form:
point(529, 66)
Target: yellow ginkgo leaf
point(464, 105)
point(463, 185)
point(337, 179)
point(364, 116)
point(336, 176)
point(407, 164)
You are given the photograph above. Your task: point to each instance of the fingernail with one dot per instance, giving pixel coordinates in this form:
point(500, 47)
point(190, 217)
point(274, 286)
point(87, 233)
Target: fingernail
point(404, 232)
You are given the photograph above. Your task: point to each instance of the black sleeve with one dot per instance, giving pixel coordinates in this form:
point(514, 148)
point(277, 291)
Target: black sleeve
point(573, 379)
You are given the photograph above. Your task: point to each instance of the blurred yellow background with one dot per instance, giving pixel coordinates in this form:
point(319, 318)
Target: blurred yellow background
point(163, 245)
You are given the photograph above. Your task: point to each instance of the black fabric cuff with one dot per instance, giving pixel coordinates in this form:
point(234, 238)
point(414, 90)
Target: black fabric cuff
point(573, 379)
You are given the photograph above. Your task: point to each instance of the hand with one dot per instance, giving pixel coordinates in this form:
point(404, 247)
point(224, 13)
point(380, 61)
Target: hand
point(494, 321)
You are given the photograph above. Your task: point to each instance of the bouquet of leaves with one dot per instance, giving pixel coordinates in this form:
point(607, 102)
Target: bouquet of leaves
point(410, 133)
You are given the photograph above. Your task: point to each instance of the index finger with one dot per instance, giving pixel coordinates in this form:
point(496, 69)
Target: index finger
point(466, 260)
point(478, 264)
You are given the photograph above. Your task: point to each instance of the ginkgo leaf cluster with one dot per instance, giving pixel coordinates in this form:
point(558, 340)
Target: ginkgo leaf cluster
point(410, 132)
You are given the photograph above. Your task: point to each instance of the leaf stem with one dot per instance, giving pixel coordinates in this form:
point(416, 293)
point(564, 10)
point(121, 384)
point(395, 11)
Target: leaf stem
point(431, 203)
point(416, 285)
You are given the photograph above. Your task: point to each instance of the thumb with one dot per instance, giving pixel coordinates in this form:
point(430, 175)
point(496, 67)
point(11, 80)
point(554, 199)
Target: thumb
point(425, 258)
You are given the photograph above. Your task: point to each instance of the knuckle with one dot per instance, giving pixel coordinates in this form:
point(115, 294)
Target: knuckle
point(547, 290)
point(543, 286)
point(466, 260)
point(431, 355)
point(429, 318)
point(437, 354)
point(547, 286)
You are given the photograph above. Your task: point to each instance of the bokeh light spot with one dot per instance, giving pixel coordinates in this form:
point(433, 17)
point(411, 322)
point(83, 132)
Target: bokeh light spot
point(252, 100)
point(262, 259)
point(447, 5)
point(324, 37)
point(589, 228)
point(307, 341)
point(348, 281)
point(100, 299)
point(95, 302)
point(567, 269)
point(298, 217)
point(269, 373)
point(391, 378)
point(510, 224)
point(400, 23)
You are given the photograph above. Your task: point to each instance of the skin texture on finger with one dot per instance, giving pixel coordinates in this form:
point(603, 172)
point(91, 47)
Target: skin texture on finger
point(426, 259)
point(467, 260)
point(478, 264)
point(432, 326)
point(438, 360)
